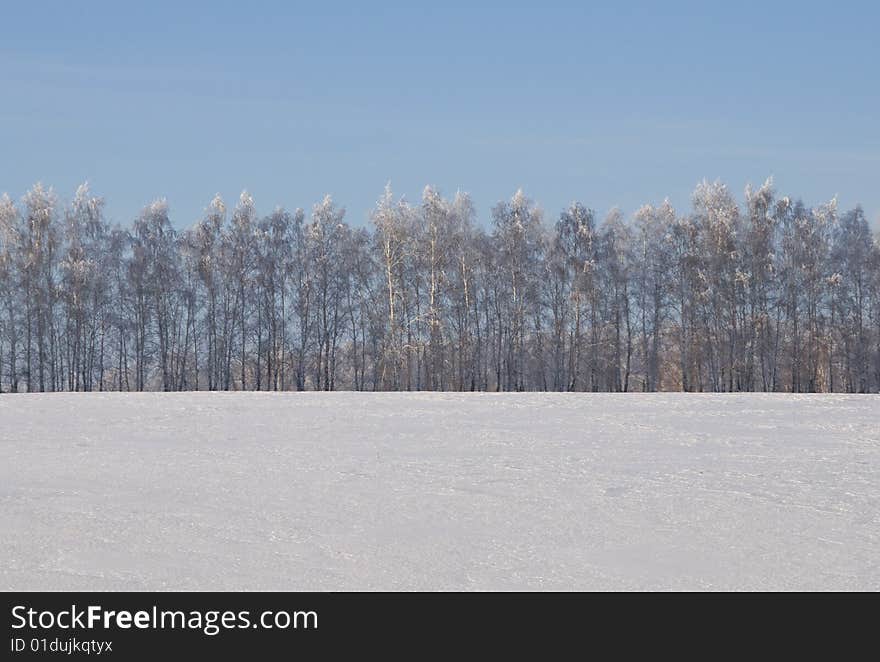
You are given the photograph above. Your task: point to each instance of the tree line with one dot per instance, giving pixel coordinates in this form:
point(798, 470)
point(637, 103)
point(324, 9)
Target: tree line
point(771, 295)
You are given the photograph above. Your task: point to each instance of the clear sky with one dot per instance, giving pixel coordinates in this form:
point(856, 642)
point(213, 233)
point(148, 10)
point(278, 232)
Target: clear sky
point(610, 103)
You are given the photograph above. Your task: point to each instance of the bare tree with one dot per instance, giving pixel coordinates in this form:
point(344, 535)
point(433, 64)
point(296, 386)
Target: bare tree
point(771, 296)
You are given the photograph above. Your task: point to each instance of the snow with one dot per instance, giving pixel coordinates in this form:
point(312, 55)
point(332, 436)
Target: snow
point(346, 491)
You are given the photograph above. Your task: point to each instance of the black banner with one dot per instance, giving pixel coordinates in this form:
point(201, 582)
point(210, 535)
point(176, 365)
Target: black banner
point(127, 626)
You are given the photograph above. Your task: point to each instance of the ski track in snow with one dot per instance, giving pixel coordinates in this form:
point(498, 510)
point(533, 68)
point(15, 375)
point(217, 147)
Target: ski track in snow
point(352, 491)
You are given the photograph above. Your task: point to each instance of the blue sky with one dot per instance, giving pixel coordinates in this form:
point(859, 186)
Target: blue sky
point(608, 103)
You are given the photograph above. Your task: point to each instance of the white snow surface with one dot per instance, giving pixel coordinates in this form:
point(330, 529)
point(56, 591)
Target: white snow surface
point(353, 491)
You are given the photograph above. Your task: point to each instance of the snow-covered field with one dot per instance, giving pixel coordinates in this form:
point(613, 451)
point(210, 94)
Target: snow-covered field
point(439, 491)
